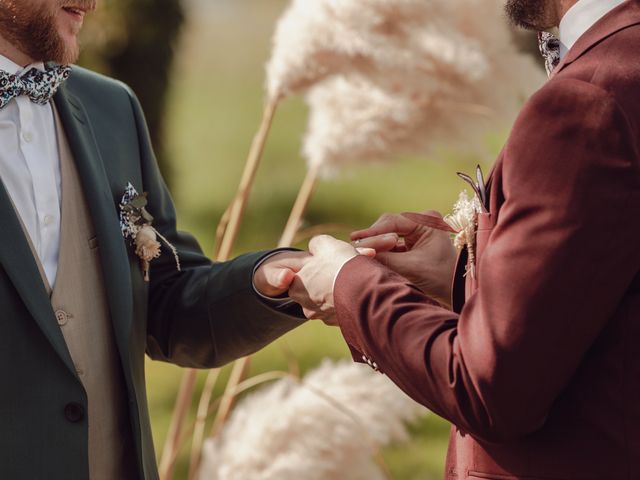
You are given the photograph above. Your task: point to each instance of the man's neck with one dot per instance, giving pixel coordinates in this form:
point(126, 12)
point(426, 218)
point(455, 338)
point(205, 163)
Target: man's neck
point(13, 53)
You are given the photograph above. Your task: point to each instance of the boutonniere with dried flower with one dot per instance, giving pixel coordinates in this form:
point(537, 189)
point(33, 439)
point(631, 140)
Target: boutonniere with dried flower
point(137, 226)
point(464, 219)
point(464, 222)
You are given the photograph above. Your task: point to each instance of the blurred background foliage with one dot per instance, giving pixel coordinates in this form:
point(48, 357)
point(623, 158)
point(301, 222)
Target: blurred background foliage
point(135, 41)
point(197, 67)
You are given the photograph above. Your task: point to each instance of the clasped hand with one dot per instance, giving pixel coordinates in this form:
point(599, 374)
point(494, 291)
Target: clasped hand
point(425, 256)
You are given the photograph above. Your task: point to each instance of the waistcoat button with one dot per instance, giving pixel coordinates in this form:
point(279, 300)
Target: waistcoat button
point(74, 412)
point(62, 317)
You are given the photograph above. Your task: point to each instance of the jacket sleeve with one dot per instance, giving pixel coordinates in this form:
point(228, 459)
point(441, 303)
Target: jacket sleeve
point(208, 313)
point(555, 268)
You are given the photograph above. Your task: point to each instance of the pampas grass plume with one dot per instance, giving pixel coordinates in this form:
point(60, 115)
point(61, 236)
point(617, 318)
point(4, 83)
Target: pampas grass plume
point(447, 75)
point(315, 39)
point(328, 426)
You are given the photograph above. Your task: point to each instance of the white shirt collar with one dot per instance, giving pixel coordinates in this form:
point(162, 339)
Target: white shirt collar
point(13, 68)
point(580, 18)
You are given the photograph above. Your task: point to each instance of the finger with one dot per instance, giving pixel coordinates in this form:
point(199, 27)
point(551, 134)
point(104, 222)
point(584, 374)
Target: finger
point(430, 221)
point(380, 243)
point(311, 314)
point(401, 248)
point(366, 252)
point(292, 260)
point(388, 224)
point(320, 242)
point(285, 279)
point(278, 277)
point(433, 213)
point(276, 281)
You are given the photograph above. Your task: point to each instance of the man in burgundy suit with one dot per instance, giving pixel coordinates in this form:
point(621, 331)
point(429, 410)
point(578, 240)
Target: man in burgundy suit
point(534, 359)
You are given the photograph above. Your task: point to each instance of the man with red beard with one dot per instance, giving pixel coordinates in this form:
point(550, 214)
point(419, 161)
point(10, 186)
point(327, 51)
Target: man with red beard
point(93, 272)
point(532, 356)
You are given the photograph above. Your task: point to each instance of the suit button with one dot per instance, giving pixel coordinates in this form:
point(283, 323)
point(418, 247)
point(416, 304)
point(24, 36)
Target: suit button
point(62, 317)
point(74, 412)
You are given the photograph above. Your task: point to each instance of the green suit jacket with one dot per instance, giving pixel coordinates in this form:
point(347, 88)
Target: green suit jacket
point(203, 316)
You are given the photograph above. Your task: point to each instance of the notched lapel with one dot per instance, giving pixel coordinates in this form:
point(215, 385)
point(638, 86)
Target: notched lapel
point(621, 17)
point(77, 110)
point(17, 259)
point(113, 253)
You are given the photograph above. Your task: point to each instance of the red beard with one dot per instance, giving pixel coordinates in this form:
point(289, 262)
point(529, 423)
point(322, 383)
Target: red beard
point(33, 30)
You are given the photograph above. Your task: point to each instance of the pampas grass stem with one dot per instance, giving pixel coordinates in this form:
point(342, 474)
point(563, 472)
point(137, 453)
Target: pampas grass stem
point(241, 366)
point(299, 207)
point(292, 362)
point(238, 373)
point(226, 234)
point(248, 177)
point(220, 230)
point(321, 229)
point(180, 411)
point(201, 420)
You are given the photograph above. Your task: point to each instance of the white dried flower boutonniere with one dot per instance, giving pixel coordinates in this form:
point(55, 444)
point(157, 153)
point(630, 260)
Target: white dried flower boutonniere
point(464, 222)
point(137, 226)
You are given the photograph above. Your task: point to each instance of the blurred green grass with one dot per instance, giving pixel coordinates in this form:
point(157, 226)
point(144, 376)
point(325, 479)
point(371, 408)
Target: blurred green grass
point(215, 107)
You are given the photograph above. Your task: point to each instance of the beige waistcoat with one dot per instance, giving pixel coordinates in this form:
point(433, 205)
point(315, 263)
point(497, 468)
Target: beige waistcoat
point(80, 305)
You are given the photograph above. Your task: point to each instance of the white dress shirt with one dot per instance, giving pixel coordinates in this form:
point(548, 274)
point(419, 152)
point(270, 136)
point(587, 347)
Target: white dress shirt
point(580, 18)
point(30, 170)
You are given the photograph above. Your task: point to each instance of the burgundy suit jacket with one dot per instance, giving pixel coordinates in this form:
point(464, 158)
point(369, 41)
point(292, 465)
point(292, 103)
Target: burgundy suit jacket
point(538, 364)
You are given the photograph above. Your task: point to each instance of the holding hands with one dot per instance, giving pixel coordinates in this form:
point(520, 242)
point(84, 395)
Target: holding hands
point(309, 277)
point(313, 286)
point(423, 255)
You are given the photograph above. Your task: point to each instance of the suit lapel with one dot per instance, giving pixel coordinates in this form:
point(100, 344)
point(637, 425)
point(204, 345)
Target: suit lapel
point(623, 16)
point(20, 265)
point(113, 253)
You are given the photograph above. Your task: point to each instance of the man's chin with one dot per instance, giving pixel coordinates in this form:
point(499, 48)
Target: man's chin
point(67, 33)
point(69, 55)
point(66, 51)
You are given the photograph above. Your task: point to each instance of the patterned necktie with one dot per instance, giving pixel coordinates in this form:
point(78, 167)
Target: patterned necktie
point(39, 86)
point(550, 49)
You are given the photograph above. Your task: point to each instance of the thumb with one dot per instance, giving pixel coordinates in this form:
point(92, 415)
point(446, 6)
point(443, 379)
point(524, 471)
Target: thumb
point(367, 252)
point(273, 281)
point(284, 279)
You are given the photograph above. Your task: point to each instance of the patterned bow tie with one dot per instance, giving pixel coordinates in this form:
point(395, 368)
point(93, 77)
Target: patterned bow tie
point(550, 50)
point(39, 86)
